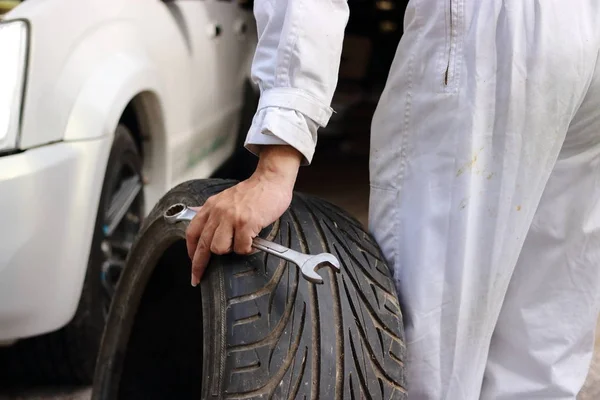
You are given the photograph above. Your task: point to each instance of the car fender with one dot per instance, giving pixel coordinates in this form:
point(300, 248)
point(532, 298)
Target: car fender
point(101, 101)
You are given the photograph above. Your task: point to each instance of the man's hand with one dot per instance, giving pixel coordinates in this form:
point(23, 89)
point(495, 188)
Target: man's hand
point(230, 220)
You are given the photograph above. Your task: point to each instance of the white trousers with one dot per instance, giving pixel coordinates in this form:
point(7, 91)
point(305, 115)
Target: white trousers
point(485, 195)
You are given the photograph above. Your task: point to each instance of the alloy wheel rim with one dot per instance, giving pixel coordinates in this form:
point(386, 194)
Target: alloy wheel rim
point(125, 204)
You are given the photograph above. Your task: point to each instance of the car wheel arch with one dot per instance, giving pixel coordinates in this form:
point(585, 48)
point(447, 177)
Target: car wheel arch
point(144, 117)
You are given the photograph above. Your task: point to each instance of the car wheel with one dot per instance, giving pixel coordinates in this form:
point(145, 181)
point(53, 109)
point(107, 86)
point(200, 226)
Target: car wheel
point(254, 328)
point(69, 354)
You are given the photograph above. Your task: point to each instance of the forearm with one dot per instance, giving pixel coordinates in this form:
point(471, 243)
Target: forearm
point(280, 164)
point(296, 67)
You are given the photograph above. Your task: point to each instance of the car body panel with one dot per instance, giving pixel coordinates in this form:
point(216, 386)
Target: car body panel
point(48, 208)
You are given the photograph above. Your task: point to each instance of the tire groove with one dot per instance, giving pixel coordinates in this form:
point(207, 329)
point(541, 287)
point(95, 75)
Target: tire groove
point(376, 320)
point(396, 358)
point(246, 368)
point(385, 274)
point(272, 294)
point(315, 317)
point(291, 330)
point(316, 342)
point(364, 323)
point(367, 275)
point(353, 309)
point(294, 365)
point(262, 291)
point(378, 262)
point(291, 377)
point(276, 333)
point(337, 309)
point(320, 231)
point(274, 345)
point(393, 312)
point(361, 378)
point(247, 320)
point(266, 263)
point(375, 294)
point(270, 386)
point(338, 320)
point(379, 371)
point(248, 272)
point(300, 376)
point(376, 366)
point(380, 341)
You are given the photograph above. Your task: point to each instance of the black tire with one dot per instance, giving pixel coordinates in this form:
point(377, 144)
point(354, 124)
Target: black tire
point(254, 328)
point(68, 355)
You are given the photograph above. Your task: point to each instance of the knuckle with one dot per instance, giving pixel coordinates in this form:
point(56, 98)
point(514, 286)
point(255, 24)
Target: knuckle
point(230, 214)
point(218, 248)
point(242, 245)
point(243, 249)
point(242, 219)
point(190, 236)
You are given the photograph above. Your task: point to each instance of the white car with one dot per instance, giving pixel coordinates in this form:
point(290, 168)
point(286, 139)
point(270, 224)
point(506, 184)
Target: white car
point(104, 106)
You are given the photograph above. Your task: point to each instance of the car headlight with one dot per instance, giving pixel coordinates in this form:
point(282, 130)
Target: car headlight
point(13, 45)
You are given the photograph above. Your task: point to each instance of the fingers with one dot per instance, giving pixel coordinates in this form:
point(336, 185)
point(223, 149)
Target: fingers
point(226, 222)
point(243, 241)
point(202, 252)
point(194, 230)
point(223, 239)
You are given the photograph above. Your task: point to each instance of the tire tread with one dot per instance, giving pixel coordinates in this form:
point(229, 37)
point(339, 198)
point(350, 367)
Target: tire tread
point(362, 307)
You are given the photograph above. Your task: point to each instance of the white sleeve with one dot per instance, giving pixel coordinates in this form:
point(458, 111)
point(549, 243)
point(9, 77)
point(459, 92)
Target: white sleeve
point(296, 67)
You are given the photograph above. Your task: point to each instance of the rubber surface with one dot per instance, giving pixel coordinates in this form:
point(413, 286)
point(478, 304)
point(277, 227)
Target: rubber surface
point(254, 328)
point(68, 355)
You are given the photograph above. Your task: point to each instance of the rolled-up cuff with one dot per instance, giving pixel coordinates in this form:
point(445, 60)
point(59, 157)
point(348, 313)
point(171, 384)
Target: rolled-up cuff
point(281, 126)
point(296, 100)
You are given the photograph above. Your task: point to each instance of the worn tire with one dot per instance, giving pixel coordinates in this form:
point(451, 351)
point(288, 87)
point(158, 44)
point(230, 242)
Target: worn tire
point(68, 355)
point(254, 328)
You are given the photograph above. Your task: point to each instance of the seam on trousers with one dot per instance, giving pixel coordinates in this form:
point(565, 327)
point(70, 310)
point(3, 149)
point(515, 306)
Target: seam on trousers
point(453, 51)
point(404, 143)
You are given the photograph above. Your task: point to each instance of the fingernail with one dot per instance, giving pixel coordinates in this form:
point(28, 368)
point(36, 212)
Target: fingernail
point(194, 284)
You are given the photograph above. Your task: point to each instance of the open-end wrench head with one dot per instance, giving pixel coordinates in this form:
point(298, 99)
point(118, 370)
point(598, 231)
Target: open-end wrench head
point(314, 263)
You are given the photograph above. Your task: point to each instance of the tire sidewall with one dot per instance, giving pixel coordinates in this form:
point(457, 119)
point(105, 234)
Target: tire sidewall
point(154, 238)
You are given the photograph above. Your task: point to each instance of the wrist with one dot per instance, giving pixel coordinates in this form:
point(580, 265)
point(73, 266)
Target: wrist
point(279, 164)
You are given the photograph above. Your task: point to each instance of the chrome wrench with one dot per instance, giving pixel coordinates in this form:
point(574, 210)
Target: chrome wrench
point(308, 264)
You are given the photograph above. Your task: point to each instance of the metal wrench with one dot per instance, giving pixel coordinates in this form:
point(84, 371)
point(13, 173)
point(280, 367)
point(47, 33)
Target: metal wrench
point(308, 264)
